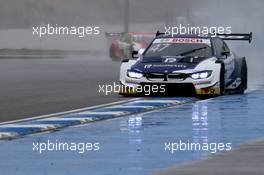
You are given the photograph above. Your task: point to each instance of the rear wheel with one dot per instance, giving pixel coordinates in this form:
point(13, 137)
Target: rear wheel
point(243, 74)
point(222, 80)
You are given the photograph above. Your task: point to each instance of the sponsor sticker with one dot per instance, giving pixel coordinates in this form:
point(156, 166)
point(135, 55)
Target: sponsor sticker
point(148, 66)
point(183, 40)
point(209, 91)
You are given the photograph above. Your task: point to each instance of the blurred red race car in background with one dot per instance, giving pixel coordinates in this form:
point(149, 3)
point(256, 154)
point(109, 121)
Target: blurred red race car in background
point(122, 44)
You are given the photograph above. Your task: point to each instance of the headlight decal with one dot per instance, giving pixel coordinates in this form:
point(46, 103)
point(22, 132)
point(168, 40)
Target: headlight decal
point(133, 74)
point(201, 75)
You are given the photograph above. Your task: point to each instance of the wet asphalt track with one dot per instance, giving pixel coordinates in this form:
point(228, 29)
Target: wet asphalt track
point(31, 87)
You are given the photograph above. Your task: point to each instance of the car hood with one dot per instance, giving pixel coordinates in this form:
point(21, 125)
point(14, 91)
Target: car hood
point(165, 64)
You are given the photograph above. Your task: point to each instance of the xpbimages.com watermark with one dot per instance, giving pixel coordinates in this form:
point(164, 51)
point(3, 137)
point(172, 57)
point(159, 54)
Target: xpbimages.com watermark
point(212, 147)
point(147, 89)
point(62, 146)
point(79, 31)
point(197, 30)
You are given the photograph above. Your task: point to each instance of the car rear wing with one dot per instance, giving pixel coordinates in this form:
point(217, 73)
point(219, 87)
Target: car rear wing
point(231, 36)
point(112, 34)
point(236, 36)
point(111, 37)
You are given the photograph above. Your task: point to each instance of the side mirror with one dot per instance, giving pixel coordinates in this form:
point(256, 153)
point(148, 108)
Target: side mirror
point(136, 54)
point(225, 53)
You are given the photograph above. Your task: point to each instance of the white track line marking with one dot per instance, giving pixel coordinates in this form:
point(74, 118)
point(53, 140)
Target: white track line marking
point(158, 101)
point(135, 106)
point(115, 113)
point(8, 134)
point(67, 119)
point(41, 126)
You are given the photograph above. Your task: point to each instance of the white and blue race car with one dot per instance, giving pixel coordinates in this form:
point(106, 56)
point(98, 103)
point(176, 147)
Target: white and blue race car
point(186, 64)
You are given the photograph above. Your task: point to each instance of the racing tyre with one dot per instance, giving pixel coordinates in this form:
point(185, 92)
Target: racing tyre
point(222, 80)
point(243, 74)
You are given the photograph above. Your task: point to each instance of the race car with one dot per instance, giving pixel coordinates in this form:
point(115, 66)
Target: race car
point(199, 65)
point(124, 43)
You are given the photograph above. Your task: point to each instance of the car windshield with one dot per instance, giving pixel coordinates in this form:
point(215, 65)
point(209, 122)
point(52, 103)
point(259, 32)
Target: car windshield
point(194, 47)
